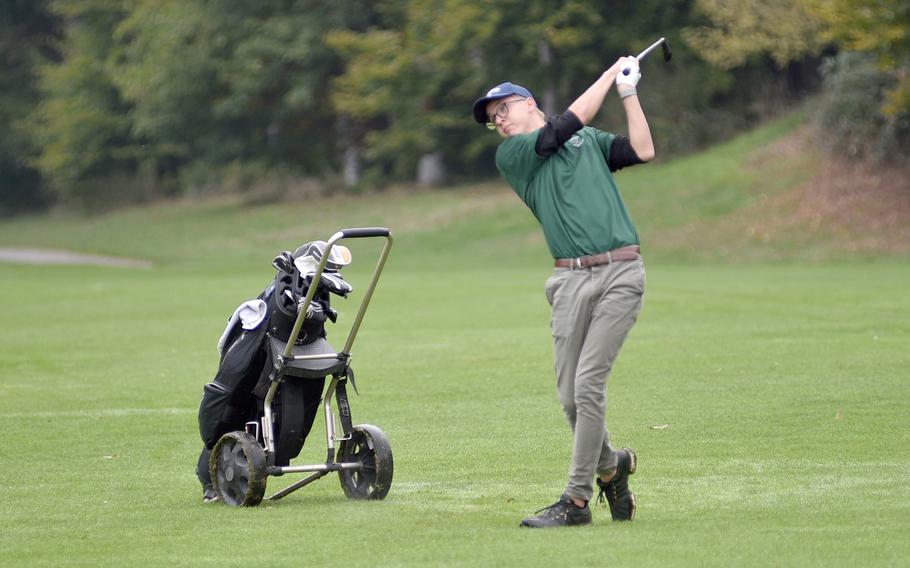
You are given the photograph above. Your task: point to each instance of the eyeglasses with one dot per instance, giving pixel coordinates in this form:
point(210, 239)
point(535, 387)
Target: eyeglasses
point(502, 111)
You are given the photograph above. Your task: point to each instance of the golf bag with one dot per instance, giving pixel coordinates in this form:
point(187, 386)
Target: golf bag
point(246, 368)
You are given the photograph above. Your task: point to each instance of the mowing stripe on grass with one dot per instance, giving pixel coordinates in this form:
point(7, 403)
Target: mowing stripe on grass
point(99, 413)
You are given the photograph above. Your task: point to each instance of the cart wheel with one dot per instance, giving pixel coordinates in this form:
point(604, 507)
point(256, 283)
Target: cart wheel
point(369, 447)
point(238, 471)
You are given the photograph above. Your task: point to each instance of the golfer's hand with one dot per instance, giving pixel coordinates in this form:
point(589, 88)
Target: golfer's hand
point(614, 69)
point(629, 74)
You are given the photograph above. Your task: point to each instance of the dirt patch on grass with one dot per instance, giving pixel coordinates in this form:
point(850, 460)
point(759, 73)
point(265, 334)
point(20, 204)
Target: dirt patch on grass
point(866, 206)
point(845, 209)
point(50, 256)
point(848, 208)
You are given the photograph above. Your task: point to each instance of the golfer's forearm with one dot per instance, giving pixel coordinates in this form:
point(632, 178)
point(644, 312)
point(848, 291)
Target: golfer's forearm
point(586, 106)
point(639, 131)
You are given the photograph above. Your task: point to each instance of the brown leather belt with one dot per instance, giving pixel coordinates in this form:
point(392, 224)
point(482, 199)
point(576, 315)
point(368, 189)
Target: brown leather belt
point(631, 252)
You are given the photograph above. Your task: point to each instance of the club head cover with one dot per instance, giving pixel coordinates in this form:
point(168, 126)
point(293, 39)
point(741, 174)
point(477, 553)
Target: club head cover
point(333, 282)
point(308, 255)
point(284, 262)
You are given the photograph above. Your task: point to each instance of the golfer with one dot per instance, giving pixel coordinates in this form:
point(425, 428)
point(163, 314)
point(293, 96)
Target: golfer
point(562, 170)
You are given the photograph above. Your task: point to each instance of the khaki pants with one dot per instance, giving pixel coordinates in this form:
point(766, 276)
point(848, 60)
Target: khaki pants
point(593, 310)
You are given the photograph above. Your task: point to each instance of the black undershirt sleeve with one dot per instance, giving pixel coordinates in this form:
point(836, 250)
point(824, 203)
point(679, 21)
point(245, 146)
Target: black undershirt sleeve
point(556, 131)
point(560, 127)
point(622, 154)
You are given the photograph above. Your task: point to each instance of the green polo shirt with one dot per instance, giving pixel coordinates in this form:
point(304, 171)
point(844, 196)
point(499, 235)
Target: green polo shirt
point(572, 193)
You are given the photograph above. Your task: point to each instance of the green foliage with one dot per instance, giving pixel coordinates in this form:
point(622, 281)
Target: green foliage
point(865, 109)
point(82, 124)
point(855, 88)
point(881, 28)
point(161, 64)
point(738, 30)
point(26, 30)
point(145, 90)
point(220, 81)
point(413, 76)
point(174, 95)
point(410, 81)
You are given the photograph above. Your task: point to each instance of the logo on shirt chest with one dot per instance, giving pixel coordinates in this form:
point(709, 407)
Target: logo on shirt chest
point(575, 141)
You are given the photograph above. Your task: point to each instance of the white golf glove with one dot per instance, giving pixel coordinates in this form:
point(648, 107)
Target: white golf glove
point(629, 74)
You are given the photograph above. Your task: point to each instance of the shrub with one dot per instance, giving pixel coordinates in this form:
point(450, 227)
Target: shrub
point(851, 110)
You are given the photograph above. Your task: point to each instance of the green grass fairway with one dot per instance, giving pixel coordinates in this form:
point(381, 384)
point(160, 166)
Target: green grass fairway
point(767, 401)
point(767, 404)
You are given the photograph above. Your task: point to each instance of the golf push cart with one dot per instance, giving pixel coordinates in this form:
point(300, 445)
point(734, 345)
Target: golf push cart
point(241, 461)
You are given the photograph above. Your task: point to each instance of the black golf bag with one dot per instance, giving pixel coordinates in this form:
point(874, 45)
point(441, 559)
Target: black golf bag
point(235, 396)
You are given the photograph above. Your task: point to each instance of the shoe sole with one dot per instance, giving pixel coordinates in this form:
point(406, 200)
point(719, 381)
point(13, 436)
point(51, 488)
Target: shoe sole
point(633, 463)
point(525, 525)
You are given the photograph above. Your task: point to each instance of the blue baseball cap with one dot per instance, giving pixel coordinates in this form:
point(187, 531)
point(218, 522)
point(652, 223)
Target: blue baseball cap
point(500, 91)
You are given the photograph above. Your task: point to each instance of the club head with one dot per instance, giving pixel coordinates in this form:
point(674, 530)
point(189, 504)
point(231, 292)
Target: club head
point(664, 45)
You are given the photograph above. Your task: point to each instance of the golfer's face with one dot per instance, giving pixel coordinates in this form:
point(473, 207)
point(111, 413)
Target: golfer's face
point(509, 115)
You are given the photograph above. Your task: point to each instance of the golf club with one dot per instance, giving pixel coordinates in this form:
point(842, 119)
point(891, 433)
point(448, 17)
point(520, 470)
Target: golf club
point(662, 42)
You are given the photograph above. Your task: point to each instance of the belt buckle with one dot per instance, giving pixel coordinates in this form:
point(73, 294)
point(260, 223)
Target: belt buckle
point(576, 264)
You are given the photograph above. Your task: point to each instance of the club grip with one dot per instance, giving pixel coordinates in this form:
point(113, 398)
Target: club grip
point(363, 232)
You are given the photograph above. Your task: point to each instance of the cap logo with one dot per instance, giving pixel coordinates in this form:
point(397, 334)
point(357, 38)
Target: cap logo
point(493, 91)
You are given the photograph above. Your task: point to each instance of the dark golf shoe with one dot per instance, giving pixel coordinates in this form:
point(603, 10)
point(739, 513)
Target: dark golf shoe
point(562, 513)
point(616, 491)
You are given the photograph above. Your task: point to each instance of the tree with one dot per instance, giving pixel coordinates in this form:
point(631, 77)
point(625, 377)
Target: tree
point(738, 30)
point(151, 97)
point(27, 34)
point(880, 28)
point(854, 85)
point(406, 79)
point(167, 94)
point(82, 124)
point(787, 30)
point(222, 81)
point(409, 80)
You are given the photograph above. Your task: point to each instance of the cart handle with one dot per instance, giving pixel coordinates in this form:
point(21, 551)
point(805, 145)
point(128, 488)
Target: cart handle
point(354, 233)
point(365, 232)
